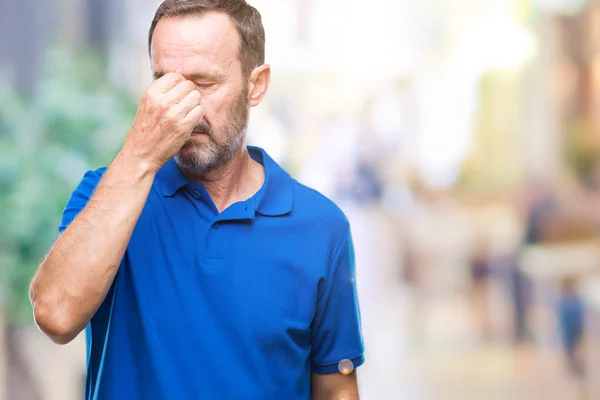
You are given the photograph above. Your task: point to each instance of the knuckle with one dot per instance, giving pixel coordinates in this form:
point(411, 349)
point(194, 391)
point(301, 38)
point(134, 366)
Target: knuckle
point(195, 95)
point(151, 97)
point(161, 102)
point(161, 108)
point(177, 77)
point(170, 116)
point(189, 86)
point(146, 96)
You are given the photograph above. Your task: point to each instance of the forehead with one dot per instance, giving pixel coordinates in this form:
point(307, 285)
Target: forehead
point(193, 43)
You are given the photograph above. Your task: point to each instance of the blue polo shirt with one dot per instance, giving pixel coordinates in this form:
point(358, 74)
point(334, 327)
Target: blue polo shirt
point(241, 304)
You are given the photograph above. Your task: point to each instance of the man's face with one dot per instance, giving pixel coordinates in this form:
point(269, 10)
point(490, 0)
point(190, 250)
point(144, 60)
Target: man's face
point(206, 51)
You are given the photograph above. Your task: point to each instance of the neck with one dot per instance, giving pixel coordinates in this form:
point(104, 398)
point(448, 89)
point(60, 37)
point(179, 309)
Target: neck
point(236, 180)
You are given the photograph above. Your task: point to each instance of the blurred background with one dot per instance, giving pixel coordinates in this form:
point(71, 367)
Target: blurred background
point(461, 138)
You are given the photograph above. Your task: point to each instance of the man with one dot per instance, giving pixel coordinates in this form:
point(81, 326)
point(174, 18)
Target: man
point(199, 268)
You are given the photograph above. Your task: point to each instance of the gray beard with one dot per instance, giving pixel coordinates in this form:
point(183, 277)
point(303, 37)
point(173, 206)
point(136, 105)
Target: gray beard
point(199, 161)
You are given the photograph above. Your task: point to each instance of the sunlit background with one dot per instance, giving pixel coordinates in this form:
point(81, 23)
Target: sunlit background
point(461, 138)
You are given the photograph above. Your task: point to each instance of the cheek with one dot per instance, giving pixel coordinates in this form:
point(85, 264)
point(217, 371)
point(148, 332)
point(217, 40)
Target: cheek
point(216, 107)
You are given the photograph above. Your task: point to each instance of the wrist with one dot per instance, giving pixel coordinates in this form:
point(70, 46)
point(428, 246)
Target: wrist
point(137, 165)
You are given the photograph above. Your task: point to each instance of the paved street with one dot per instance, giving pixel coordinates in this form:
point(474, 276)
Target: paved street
point(429, 345)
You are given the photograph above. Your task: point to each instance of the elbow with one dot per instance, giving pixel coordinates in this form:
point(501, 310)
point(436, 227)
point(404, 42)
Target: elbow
point(49, 314)
point(55, 323)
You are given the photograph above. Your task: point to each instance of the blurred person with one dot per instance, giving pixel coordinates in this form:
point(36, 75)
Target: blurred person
point(196, 265)
point(588, 208)
point(364, 185)
point(570, 310)
point(332, 162)
point(538, 206)
point(480, 264)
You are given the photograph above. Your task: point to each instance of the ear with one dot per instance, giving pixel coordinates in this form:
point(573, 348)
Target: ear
point(258, 84)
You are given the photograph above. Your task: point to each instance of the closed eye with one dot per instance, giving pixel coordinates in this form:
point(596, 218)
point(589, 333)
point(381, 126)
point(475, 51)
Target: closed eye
point(205, 85)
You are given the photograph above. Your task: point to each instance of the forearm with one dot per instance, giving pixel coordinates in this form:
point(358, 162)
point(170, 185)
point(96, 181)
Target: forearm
point(341, 394)
point(335, 387)
point(77, 272)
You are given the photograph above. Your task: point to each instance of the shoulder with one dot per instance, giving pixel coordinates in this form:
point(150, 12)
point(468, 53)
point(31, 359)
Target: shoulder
point(80, 196)
point(314, 205)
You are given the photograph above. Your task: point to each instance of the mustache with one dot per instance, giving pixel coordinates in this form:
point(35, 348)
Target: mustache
point(203, 126)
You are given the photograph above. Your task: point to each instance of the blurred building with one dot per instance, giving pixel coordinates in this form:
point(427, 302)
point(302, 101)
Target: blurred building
point(450, 107)
point(35, 25)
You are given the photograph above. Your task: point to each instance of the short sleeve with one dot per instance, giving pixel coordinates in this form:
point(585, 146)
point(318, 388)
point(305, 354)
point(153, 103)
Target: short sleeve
point(336, 334)
point(80, 197)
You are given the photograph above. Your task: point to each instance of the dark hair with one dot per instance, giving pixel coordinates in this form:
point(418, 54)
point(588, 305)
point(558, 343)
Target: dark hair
point(247, 21)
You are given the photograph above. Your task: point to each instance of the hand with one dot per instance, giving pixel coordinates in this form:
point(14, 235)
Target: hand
point(169, 110)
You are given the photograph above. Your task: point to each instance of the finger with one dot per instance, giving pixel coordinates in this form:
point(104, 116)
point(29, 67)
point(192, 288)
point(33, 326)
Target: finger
point(179, 91)
point(194, 116)
point(191, 100)
point(167, 82)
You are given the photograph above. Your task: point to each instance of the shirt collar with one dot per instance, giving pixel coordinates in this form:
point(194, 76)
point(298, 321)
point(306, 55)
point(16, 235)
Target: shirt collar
point(275, 198)
point(171, 178)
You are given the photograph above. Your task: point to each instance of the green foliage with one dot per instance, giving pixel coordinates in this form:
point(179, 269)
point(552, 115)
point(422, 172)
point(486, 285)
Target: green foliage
point(75, 121)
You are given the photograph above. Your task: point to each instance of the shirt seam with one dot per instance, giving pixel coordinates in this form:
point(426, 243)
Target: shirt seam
point(330, 363)
point(339, 246)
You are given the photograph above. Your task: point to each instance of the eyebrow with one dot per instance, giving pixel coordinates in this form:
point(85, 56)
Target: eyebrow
point(193, 77)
